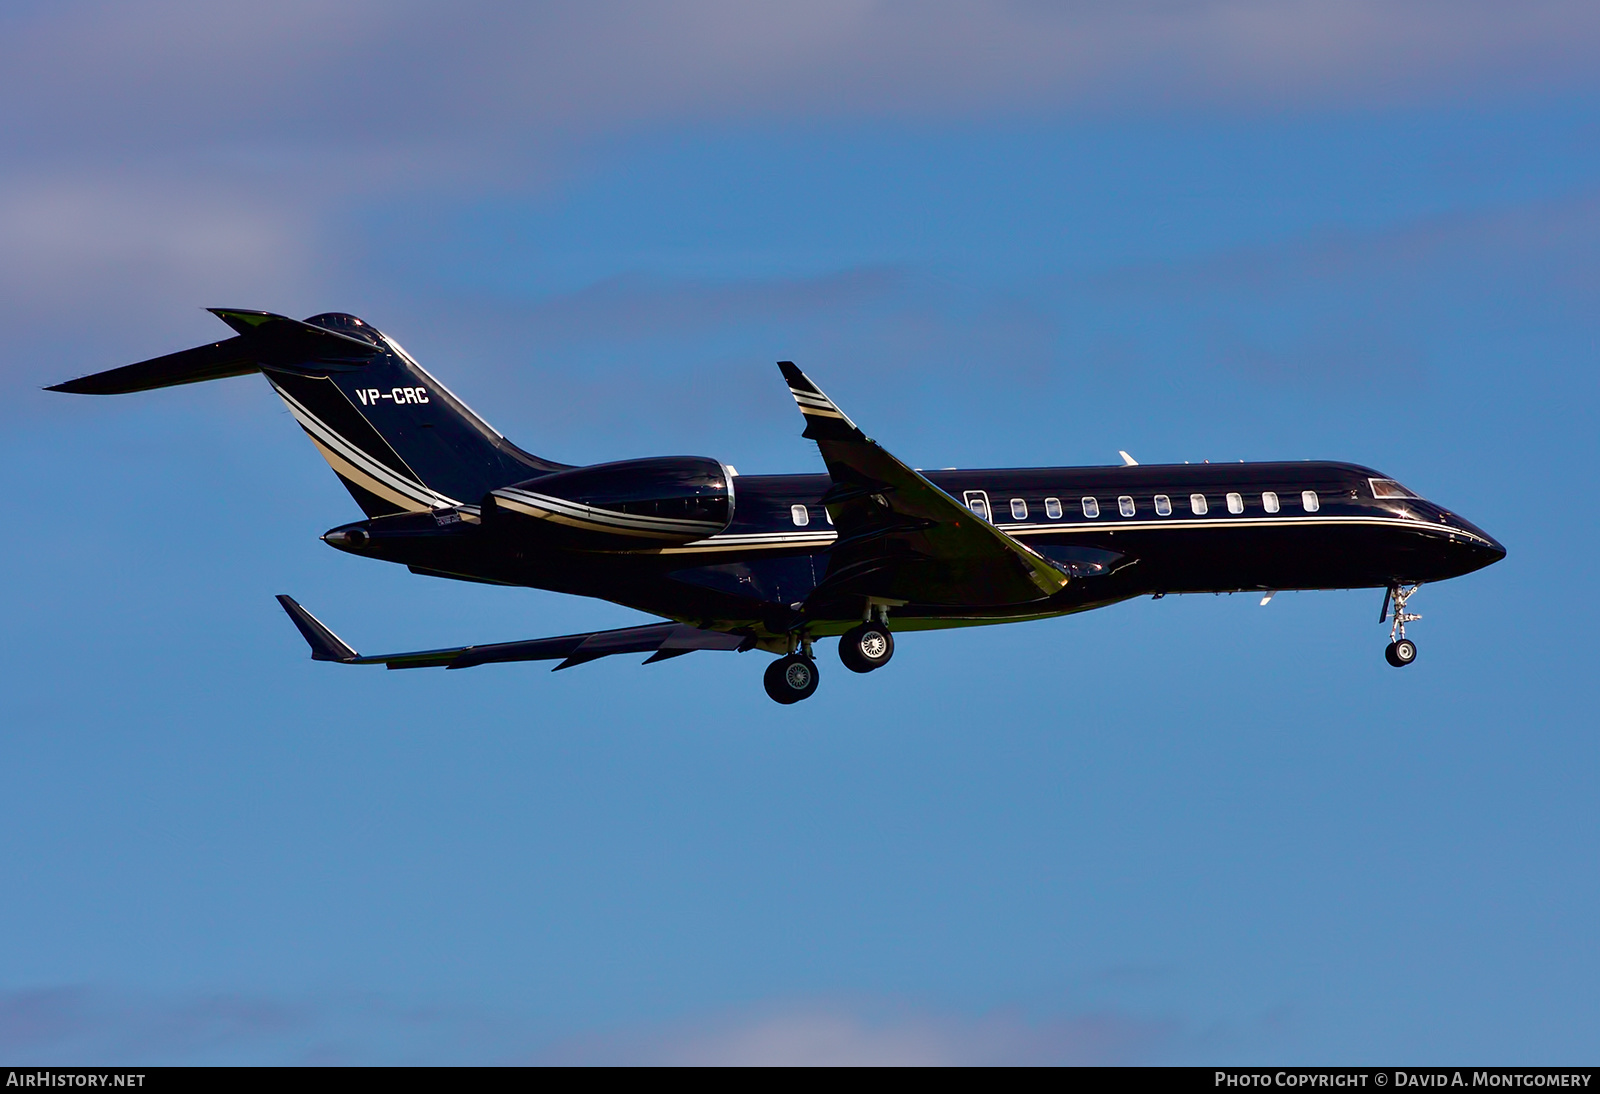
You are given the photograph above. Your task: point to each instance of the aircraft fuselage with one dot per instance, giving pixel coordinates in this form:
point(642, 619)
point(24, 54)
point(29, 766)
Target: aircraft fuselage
point(1155, 529)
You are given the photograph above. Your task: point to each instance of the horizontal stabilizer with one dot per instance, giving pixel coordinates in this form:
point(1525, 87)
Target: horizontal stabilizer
point(214, 362)
point(264, 339)
point(664, 640)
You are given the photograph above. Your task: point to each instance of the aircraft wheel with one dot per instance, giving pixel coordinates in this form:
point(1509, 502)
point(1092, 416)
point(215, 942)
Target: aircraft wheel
point(866, 647)
point(791, 679)
point(1401, 653)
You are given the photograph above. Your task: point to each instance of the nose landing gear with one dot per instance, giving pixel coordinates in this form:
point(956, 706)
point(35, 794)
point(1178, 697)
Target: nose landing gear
point(1401, 651)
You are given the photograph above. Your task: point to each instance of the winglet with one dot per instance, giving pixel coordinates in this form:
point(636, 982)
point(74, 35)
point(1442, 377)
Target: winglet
point(1127, 460)
point(325, 645)
point(824, 419)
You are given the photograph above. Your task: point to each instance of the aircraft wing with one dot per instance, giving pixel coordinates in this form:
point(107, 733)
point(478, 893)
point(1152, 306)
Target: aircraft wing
point(661, 640)
point(901, 538)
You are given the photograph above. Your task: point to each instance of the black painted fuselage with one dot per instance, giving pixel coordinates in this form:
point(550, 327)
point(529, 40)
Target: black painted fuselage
point(1119, 531)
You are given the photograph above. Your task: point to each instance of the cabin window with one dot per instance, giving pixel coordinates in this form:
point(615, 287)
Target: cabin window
point(1308, 498)
point(1125, 506)
point(1235, 503)
point(829, 516)
point(1269, 501)
point(1163, 505)
point(1091, 508)
point(1019, 509)
point(800, 515)
point(1388, 488)
point(978, 502)
point(1052, 508)
point(1197, 504)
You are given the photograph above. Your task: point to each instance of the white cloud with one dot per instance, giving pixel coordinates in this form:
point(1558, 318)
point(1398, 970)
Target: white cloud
point(174, 73)
point(90, 1025)
point(59, 231)
point(840, 1036)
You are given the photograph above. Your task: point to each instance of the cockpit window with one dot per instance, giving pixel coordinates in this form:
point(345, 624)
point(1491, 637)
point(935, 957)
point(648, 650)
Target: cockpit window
point(1388, 488)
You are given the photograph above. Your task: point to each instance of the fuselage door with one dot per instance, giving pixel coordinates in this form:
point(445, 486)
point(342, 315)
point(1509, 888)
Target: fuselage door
point(978, 502)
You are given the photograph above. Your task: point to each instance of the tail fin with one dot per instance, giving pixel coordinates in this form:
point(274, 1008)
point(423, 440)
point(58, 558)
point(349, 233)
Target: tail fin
point(396, 437)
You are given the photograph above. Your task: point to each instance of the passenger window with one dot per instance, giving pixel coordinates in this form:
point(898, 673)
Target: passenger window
point(800, 514)
point(1019, 509)
point(1091, 507)
point(1235, 503)
point(1269, 501)
point(1308, 498)
point(978, 505)
point(829, 516)
point(1163, 505)
point(1052, 508)
point(1125, 506)
point(1197, 504)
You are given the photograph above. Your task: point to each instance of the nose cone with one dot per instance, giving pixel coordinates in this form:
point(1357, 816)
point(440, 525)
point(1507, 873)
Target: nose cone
point(1475, 547)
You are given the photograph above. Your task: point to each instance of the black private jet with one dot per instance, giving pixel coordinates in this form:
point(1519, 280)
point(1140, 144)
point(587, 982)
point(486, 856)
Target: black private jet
point(775, 562)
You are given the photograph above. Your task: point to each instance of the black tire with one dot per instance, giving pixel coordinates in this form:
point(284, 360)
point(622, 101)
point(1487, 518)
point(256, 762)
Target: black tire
point(791, 679)
point(1401, 653)
point(866, 647)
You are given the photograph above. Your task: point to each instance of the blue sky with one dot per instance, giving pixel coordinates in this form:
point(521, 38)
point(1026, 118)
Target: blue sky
point(1192, 830)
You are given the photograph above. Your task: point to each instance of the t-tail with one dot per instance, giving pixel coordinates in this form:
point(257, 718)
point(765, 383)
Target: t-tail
point(395, 436)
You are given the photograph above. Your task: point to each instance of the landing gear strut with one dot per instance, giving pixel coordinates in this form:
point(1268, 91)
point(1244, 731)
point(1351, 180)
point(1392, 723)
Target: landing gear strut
point(1401, 651)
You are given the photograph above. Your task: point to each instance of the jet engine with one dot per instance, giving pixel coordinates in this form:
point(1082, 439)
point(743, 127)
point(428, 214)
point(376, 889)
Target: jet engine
point(630, 505)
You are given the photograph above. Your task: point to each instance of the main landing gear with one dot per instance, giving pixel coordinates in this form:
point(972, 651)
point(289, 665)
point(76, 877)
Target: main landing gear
point(791, 679)
point(866, 647)
point(1401, 651)
point(862, 648)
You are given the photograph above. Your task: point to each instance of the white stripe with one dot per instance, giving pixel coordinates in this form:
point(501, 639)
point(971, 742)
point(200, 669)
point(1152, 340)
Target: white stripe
point(326, 438)
point(320, 430)
point(1116, 524)
point(733, 540)
point(753, 541)
point(360, 478)
point(540, 504)
point(601, 513)
point(353, 454)
point(605, 520)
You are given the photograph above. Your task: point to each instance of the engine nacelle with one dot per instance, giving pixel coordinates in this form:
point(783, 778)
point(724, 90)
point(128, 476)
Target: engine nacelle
point(628, 505)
